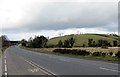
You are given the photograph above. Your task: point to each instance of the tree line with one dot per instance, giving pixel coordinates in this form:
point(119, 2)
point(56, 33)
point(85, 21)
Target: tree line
point(4, 41)
point(41, 42)
point(101, 43)
point(37, 42)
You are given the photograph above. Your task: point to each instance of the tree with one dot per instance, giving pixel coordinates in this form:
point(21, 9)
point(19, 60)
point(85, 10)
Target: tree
point(115, 43)
point(60, 44)
point(105, 44)
point(94, 44)
point(23, 42)
point(99, 44)
point(30, 41)
point(43, 41)
point(90, 42)
point(67, 44)
point(71, 41)
point(4, 41)
point(39, 42)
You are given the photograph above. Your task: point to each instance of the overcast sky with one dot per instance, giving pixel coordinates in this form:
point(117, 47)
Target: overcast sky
point(27, 18)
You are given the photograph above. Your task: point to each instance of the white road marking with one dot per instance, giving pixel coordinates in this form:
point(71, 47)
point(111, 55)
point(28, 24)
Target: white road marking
point(6, 74)
point(66, 60)
point(5, 56)
point(5, 61)
point(39, 67)
point(109, 69)
point(33, 70)
point(5, 68)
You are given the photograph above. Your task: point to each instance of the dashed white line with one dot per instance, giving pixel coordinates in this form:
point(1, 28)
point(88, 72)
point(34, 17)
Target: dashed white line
point(6, 74)
point(5, 56)
point(108, 69)
point(5, 68)
point(5, 61)
point(66, 60)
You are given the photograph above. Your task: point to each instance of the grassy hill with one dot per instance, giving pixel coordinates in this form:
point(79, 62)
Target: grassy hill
point(83, 39)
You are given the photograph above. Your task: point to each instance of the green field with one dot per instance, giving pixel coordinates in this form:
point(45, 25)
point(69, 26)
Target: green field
point(83, 39)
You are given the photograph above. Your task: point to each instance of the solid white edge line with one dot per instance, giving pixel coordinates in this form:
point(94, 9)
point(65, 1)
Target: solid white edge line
point(109, 69)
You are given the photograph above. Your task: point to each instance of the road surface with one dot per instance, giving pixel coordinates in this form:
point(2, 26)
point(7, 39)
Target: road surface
point(18, 61)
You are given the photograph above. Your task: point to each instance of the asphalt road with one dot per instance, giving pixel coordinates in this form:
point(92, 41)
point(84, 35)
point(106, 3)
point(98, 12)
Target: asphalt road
point(18, 61)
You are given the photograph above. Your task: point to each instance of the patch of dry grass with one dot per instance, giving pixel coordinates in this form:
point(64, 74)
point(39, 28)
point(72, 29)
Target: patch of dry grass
point(99, 49)
point(90, 49)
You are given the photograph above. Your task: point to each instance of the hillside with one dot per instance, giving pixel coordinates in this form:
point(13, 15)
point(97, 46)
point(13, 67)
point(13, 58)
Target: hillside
point(83, 39)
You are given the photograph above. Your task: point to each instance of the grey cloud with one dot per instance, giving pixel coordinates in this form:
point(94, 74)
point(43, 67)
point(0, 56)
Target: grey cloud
point(70, 15)
point(63, 15)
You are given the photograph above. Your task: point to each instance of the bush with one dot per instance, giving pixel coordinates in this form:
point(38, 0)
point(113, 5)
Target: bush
point(110, 53)
point(103, 54)
point(118, 54)
point(74, 52)
point(97, 53)
point(83, 53)
point(104, 47)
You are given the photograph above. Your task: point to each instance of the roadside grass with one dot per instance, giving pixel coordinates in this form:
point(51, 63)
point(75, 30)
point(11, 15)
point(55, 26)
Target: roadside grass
point(90, 49)
point(90, 57)
point(0, 53)
point(2, 50)
point(43, 50)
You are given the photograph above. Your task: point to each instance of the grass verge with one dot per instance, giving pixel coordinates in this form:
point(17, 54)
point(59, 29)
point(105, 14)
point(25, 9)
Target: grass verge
point(2, 50)
point(112, 59)
point(0, 53)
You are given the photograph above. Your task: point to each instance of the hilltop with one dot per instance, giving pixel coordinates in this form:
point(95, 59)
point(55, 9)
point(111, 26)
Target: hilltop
point(83, 39)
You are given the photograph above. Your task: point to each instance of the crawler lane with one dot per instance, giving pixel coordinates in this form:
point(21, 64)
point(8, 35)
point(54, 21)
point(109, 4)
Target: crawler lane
point(58, 65)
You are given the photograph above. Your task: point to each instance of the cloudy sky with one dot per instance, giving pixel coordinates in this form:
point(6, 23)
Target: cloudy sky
point(26, 18)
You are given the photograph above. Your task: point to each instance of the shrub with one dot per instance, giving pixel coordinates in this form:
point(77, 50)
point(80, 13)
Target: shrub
point(103, 54)
point(104, 47)
point(110, 53)
point(118, 54)
point(74, 52)
point(96, 53)
point(83, 52)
